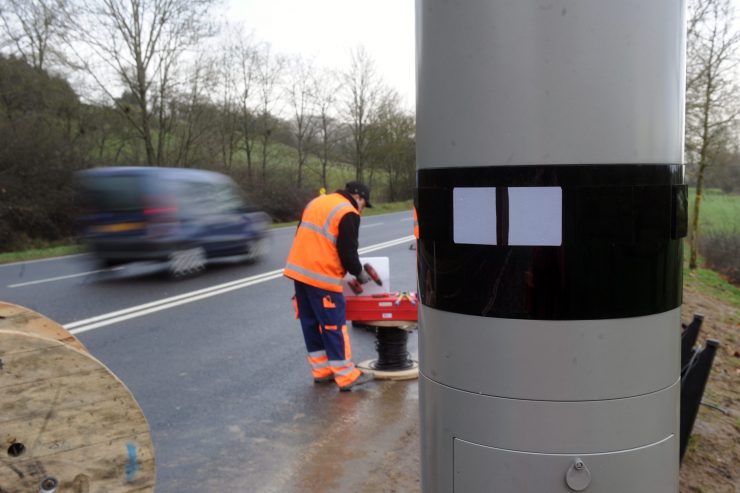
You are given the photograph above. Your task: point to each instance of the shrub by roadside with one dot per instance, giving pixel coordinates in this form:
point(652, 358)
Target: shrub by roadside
point(721, 252)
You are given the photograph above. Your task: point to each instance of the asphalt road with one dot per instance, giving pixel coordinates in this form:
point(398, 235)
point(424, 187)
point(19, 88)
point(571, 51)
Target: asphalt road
point(217, 364)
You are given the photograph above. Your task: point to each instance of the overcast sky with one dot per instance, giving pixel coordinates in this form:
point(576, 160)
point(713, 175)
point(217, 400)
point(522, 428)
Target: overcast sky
point(327, 30)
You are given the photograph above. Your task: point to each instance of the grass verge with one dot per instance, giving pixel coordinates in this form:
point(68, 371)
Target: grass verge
point(712, 284)
point(39, 253)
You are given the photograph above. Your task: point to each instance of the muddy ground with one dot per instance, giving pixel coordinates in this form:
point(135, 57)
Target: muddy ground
point(712, 460)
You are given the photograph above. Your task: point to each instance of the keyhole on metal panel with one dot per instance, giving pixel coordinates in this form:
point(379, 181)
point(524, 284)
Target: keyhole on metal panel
point(16, 449)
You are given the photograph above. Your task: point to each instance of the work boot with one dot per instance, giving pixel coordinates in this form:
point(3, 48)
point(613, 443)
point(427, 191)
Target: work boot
point(363, 378)
point(329, 378)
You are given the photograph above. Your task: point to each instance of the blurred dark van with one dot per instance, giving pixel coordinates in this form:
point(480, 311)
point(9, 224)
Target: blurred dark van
point(180, 216)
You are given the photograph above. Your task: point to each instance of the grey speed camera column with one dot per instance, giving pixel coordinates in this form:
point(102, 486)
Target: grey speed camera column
point(551, 205)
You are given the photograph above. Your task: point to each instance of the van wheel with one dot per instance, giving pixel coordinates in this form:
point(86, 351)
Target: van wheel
point(257, 248)
point(187, 262)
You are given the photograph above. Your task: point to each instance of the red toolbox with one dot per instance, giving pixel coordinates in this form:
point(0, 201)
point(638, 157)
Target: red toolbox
point(388, 306)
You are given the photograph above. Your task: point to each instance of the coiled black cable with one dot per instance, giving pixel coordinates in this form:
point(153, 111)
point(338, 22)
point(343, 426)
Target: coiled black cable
point(391, 343)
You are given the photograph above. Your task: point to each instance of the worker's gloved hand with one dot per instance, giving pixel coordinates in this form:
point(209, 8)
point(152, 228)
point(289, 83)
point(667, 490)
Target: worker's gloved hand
point(363, 277)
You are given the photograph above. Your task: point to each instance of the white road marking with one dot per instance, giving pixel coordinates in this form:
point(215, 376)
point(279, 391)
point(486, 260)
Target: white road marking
point(164, 304)
point(70, 276)
point(171, 302)
point(365, 226)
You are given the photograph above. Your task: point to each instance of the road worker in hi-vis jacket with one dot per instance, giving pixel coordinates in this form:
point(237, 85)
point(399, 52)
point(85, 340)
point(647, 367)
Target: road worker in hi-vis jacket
point(323, 251)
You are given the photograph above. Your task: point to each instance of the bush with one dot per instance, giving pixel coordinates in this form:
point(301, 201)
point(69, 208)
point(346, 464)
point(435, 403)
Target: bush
point(284, 204)
point(721, 250)
point(37, 157)
point(278, 197)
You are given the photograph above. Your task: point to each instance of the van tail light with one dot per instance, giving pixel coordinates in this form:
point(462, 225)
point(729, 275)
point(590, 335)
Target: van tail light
point(161, 220)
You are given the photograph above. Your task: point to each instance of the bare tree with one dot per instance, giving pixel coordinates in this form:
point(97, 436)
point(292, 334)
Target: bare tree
point(196, 116)
point(392, 147)
point(269, 76)
point(228, 69)
point(32, 27)
point(362, 87)
point(711, 93)
point(325, 88)
point(228, 127)
point(246, 56)
point(139, 44)
point(300, 97)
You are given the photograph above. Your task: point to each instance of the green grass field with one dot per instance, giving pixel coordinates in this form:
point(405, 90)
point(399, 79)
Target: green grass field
point(718, 210)
point(282, 161)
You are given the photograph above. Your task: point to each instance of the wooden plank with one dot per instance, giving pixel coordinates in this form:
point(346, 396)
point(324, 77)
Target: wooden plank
point(22, 319)
point(64, 414)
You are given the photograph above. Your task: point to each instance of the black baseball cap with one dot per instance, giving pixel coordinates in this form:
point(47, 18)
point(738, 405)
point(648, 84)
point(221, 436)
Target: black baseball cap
point(359, 189)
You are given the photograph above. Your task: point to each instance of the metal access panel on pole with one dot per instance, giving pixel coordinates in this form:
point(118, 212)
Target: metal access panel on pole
point(551, 206)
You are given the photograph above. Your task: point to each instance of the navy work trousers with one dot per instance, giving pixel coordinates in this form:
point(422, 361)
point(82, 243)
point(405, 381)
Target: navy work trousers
point(322, 315)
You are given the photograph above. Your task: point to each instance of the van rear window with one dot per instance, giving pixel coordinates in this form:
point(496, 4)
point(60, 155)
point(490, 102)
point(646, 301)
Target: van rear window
point(111, 193)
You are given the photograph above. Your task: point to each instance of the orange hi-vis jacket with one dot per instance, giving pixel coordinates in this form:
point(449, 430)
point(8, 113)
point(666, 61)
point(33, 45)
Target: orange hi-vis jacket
point(314, 258)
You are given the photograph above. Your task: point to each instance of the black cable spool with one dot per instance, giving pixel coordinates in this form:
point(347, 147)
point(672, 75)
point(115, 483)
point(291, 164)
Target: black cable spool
point(390, 343)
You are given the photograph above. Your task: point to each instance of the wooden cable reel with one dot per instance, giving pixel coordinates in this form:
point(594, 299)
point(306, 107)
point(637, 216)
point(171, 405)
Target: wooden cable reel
point(67, 423)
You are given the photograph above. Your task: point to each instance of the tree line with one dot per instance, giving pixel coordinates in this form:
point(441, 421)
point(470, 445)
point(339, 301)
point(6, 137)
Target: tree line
point(88, 83)
point(104, 82)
